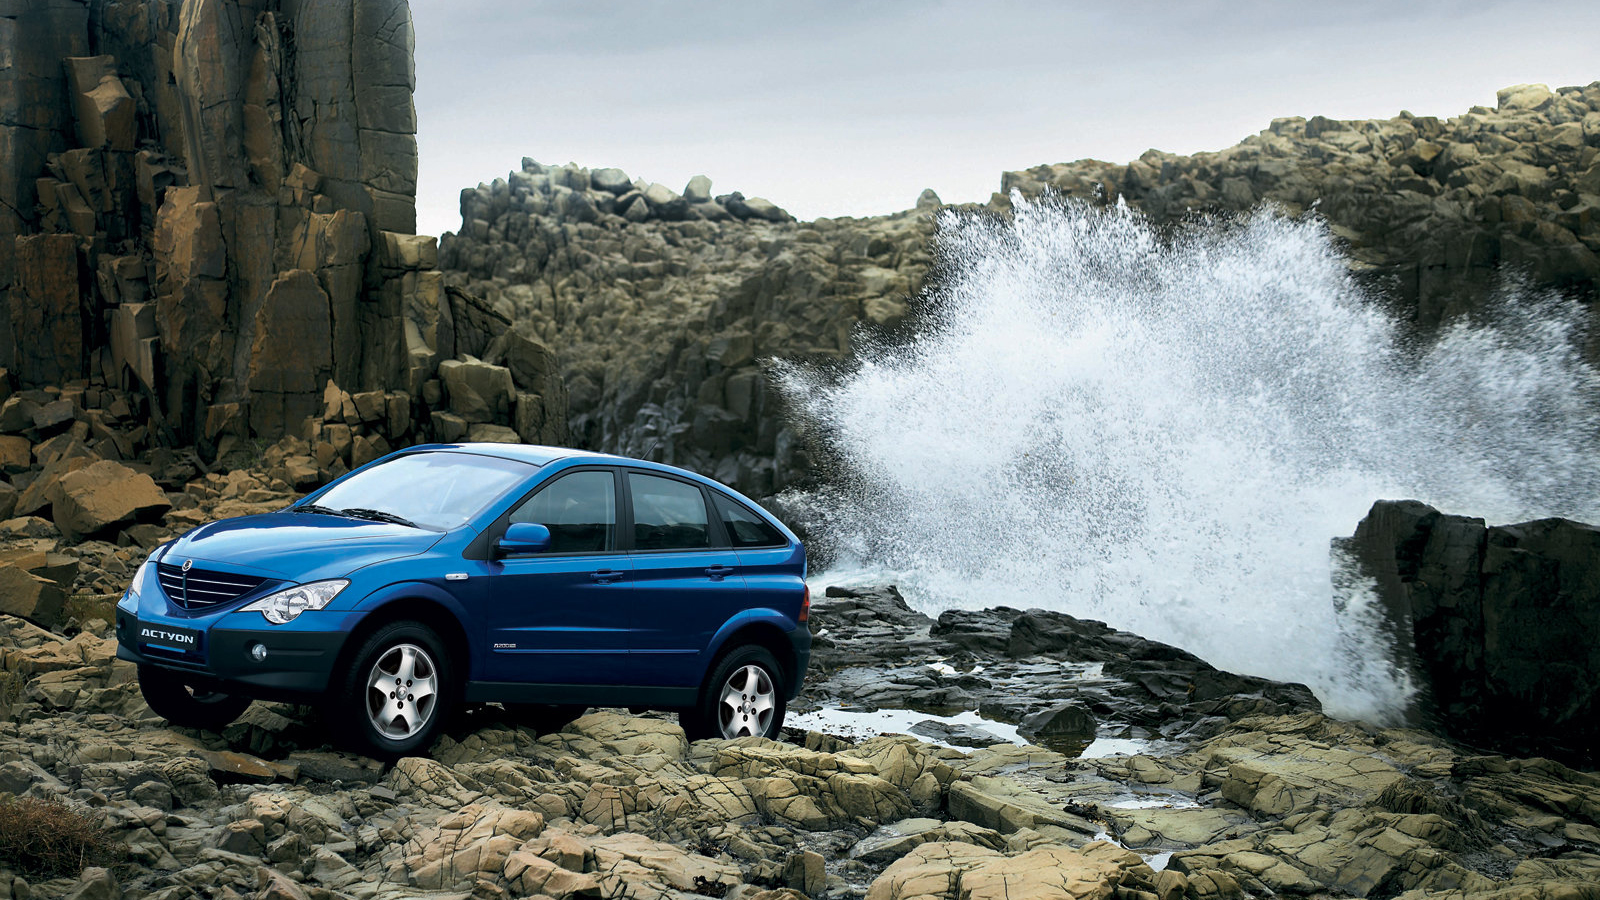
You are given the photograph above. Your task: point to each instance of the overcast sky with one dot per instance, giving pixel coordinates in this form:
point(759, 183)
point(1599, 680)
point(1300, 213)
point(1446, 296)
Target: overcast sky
point(852, 108)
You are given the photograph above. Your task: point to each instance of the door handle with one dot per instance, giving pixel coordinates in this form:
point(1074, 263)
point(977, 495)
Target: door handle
point(605, 576)
point(717, 573)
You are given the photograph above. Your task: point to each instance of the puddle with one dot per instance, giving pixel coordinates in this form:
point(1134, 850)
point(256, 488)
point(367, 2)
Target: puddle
point(961, 730)
point(1099, 748)
point(1174, 802)
point(1157, 861)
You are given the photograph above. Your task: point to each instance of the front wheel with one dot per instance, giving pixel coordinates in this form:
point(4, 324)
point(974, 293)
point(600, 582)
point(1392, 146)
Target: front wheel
point(398, 692)
point(743, 697)
point(171, 698)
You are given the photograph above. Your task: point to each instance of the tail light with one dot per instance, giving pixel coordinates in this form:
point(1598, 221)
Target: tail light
point(805, 606)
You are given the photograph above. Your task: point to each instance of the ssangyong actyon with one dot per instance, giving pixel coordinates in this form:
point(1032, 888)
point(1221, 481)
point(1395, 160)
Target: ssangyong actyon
point(543, 579)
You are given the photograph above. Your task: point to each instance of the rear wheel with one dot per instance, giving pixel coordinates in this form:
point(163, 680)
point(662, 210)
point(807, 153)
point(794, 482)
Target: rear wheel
point(399, 691)
point(743, 697)
point(168, 694)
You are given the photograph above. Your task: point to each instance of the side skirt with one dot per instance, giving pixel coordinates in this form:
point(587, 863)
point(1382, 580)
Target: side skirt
point(651, 696)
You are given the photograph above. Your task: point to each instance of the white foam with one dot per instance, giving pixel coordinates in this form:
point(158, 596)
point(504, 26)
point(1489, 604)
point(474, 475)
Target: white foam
point(1165, 435)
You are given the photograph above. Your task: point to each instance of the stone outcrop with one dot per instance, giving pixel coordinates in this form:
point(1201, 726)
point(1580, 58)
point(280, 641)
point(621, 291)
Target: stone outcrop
point(209, 207)
point(667, 306)
point(666, 310)
point(1500, 625)
point(1430, 210)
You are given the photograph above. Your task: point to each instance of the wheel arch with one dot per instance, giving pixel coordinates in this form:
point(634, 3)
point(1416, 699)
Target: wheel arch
point(412, 606)
point(761, 630)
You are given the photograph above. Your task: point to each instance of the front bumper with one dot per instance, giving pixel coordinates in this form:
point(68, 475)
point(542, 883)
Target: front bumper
point(298, 665)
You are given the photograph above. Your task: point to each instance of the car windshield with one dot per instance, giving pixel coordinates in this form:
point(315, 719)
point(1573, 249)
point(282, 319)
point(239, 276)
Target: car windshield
point(431, 490)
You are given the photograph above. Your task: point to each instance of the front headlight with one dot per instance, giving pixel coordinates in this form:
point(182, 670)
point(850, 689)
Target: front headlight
point(130, 597)
point(285, 605)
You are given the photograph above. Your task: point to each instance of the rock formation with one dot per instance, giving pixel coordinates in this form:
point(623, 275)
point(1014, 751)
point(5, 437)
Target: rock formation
point(665, 308)
point(1431, 211)
point(1198, 784)
point(1504, 622)
point(206, 216)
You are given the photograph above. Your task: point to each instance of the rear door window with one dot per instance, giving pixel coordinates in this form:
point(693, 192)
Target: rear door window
point(744, 526)
point(668, 514)
point(580, 510)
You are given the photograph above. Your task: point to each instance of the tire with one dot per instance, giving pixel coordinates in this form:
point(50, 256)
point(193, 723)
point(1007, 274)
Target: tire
point(751, 682)
point(166, 692)
point(544, 717)
point(389, 724)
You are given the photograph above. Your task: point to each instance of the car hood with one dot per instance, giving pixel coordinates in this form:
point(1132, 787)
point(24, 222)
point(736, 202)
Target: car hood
point(299, 546)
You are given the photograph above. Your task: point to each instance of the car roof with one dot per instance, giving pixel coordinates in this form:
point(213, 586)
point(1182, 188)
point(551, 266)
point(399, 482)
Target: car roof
point(533, 454)
point(540, 455)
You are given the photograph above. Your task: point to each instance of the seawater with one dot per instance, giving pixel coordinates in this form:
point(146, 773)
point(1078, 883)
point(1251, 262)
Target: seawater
point(1163, 431)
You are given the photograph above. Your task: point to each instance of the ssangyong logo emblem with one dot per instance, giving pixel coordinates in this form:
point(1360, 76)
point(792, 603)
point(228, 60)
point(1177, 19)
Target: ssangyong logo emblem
point(156, 634)
point(187, 564)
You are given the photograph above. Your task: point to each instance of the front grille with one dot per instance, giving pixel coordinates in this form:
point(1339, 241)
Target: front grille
point(203, 588)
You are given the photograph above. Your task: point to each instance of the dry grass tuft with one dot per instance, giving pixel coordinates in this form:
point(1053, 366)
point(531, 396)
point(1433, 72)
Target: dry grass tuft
point(48, 838)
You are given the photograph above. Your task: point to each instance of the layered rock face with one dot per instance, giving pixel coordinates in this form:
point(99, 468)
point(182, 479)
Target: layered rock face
point(1505, 622)
point(208, 210)
point(665, 310)
point(1431, 210)
point(665, 306)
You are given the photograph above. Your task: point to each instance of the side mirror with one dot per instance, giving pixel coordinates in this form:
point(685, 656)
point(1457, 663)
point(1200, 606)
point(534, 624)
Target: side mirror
point(524, 537)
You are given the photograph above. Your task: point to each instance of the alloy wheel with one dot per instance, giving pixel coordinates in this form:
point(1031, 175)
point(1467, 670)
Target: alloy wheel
point(748, 701)
point(402, 690)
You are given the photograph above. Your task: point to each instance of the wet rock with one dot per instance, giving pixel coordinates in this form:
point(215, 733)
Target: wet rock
point(1499, 623)
point(1071, 721)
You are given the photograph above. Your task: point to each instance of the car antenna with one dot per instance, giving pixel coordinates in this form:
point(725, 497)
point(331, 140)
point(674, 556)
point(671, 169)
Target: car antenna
point(652, 448)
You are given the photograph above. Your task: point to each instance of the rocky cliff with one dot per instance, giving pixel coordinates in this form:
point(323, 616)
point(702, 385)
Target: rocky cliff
point(206, 217)
point(664, 307)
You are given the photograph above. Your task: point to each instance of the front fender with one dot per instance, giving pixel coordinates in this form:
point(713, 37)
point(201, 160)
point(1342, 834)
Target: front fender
point(399, 593)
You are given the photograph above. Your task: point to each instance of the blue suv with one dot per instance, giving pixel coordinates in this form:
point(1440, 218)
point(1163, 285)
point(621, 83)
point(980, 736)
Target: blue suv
point(548, 580)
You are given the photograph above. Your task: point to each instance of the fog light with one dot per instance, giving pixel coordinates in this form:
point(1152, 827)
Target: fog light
point(258, 652)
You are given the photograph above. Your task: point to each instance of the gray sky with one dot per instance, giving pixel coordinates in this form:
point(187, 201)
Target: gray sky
point(852, 108)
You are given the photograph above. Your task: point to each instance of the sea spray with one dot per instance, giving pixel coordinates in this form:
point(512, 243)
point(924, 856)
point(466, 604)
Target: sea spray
point(1164, 432)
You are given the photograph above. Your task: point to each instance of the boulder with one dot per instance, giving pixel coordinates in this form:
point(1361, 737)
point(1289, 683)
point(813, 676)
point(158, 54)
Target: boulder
point(478, 391)
point(698, 190)
point(1071, 721)
point(25, 594)
point(1500, 625)
point(665, 202)
point(104, 109)
point(614, 181)
point(105, 495)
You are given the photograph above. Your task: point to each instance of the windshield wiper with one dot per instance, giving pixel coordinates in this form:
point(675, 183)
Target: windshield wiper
point(314, 508)
point(377, 515)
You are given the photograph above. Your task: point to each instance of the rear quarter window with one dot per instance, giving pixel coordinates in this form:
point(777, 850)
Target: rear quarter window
point(745, 527)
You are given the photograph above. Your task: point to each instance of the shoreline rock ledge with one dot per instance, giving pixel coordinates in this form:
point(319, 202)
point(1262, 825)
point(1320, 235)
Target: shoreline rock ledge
point(1499, 625)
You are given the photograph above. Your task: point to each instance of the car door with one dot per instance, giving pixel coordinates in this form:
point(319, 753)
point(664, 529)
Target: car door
point(686, 580)
point(561, 616)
